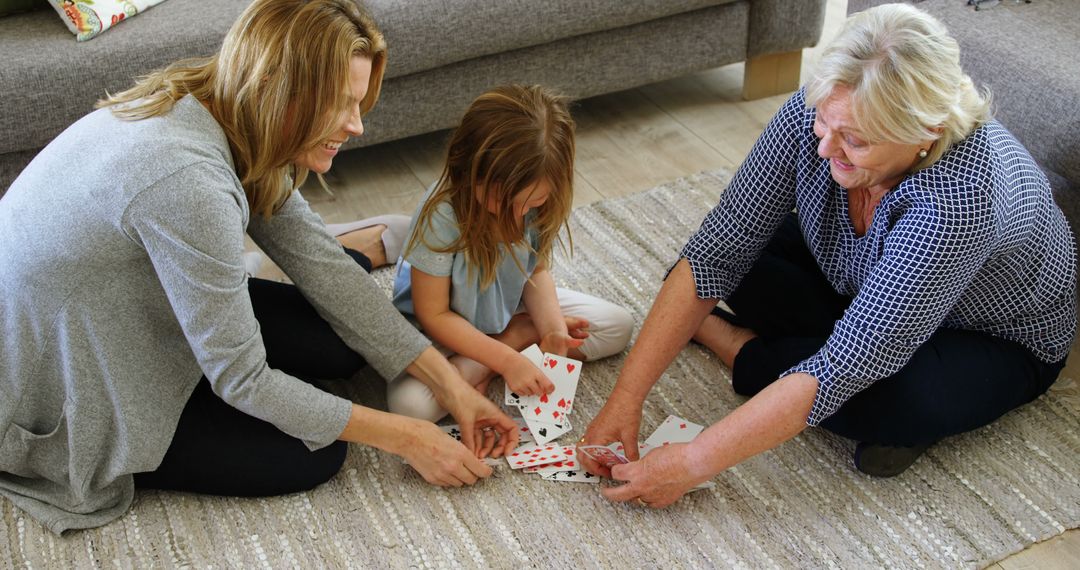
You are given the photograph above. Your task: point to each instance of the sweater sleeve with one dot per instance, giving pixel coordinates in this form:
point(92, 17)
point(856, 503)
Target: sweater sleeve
point(930, 257)
point(750, 210)
point(341, 291)
point(193, 232)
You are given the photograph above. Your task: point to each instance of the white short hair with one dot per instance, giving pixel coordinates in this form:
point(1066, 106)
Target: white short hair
point(903, 69)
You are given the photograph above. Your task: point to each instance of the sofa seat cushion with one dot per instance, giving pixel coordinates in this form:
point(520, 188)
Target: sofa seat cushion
point(58, 81)
point(426, 34)
point(48, 80)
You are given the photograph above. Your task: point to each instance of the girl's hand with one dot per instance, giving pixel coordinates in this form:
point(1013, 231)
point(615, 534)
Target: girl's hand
point(485, 429)
point(619, 420)
point(525, 379)
point(657, 480)
point(438, 458)
point(560, 342)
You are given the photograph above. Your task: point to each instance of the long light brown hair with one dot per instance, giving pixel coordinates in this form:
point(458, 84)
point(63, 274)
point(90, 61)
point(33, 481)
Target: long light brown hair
point(510, 138)
point(278, 87)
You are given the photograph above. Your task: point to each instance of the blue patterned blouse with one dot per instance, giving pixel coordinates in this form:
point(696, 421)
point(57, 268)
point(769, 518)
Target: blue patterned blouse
point(974, 242)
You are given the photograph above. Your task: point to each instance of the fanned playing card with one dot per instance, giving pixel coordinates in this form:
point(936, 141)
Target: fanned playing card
point(674, 430)
point(579, 476)
point(544, 432)
point(524, 435)
point(452, 430)
point(554, 407)
point(536, 357)
point(530, 455)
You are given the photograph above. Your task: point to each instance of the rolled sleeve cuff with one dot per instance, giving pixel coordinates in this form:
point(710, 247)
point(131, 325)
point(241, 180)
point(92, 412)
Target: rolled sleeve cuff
point(831, 392)
point(337, 414)
point(709, 281)
point(407, 353)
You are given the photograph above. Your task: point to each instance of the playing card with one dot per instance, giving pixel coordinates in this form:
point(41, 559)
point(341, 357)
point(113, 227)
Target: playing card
point(579, 476)
point(618, 448)
point(553, 408)
point(530, 455)
point(568, 464)
point(524, 433)
point(603, 455)
point(452, 430)
point(544, 432)
point(536, 357)
point(674, 430)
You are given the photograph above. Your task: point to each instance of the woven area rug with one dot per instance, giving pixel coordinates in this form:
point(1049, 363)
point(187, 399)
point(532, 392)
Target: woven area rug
point(968, 502)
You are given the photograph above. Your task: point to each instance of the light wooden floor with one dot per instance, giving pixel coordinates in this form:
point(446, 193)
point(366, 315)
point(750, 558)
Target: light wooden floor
point(627, 142)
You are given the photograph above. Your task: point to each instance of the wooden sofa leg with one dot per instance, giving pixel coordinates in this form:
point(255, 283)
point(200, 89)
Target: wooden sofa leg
point(771, 74)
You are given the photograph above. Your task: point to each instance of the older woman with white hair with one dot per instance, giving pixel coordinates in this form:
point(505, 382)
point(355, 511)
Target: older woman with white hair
point(896, 269)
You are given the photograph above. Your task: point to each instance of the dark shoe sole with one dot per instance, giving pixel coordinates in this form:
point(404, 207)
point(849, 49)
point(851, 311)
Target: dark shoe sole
point(886, 460)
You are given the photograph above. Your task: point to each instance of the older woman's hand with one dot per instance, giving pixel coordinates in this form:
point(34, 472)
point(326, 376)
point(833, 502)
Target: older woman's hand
point(657, 480)
point(619, 420)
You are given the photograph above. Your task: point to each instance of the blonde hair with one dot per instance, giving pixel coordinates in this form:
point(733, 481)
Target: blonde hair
point(903, 69)
point(509, 139)
point(278, 87)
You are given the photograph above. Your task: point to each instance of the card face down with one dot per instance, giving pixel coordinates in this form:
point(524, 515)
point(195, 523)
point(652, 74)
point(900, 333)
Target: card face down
point(603, 454)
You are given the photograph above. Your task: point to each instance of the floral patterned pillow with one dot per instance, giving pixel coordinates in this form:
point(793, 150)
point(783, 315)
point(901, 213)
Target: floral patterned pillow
point(88, 18)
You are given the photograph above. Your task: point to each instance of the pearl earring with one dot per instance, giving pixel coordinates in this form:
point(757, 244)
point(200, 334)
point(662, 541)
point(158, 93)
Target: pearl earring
point(922, 153)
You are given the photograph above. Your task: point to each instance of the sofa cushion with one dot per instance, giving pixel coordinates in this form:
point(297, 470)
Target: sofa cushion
point(48, 80)
point(421, 34)
point(1026, 55)
point(426, 34)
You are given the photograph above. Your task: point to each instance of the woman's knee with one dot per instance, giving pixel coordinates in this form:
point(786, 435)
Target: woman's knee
point(325, 463)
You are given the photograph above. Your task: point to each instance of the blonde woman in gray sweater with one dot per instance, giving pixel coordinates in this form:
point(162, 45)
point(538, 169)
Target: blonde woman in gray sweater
point(136, 353)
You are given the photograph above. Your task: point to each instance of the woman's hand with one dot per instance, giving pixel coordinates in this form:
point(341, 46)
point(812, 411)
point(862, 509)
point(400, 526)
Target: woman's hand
point(524, 378)
point(437, 457)
point(619, 420)
point(658, 479)
point(485, 429)
point(561, 340)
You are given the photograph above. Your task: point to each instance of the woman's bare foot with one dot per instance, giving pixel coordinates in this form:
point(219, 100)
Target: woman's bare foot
point(723, 338)
point(367, 241)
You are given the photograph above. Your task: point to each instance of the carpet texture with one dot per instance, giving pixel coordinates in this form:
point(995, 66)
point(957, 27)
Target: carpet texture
point(968, 502)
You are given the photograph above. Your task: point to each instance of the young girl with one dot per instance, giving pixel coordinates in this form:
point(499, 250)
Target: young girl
point(475, 272)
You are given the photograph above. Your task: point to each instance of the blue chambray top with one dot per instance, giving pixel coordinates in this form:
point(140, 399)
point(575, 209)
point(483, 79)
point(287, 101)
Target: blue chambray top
point(490, 309)
point(974, 242)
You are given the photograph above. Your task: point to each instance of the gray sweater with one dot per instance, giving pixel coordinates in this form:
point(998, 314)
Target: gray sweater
point(121, 285)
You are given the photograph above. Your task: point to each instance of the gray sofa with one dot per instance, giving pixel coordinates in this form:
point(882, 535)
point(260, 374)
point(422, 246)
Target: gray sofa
point(1026, 54)
point(442, 53)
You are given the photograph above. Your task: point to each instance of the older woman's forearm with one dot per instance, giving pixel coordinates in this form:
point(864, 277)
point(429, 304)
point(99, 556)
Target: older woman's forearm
point(775, 415)
point(675, 316)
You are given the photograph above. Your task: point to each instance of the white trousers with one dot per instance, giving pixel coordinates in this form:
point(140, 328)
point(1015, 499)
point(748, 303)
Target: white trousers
point(610, 327)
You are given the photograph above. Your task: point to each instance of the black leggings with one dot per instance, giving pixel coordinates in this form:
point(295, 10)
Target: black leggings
point(219, 450)
point(955, 382)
